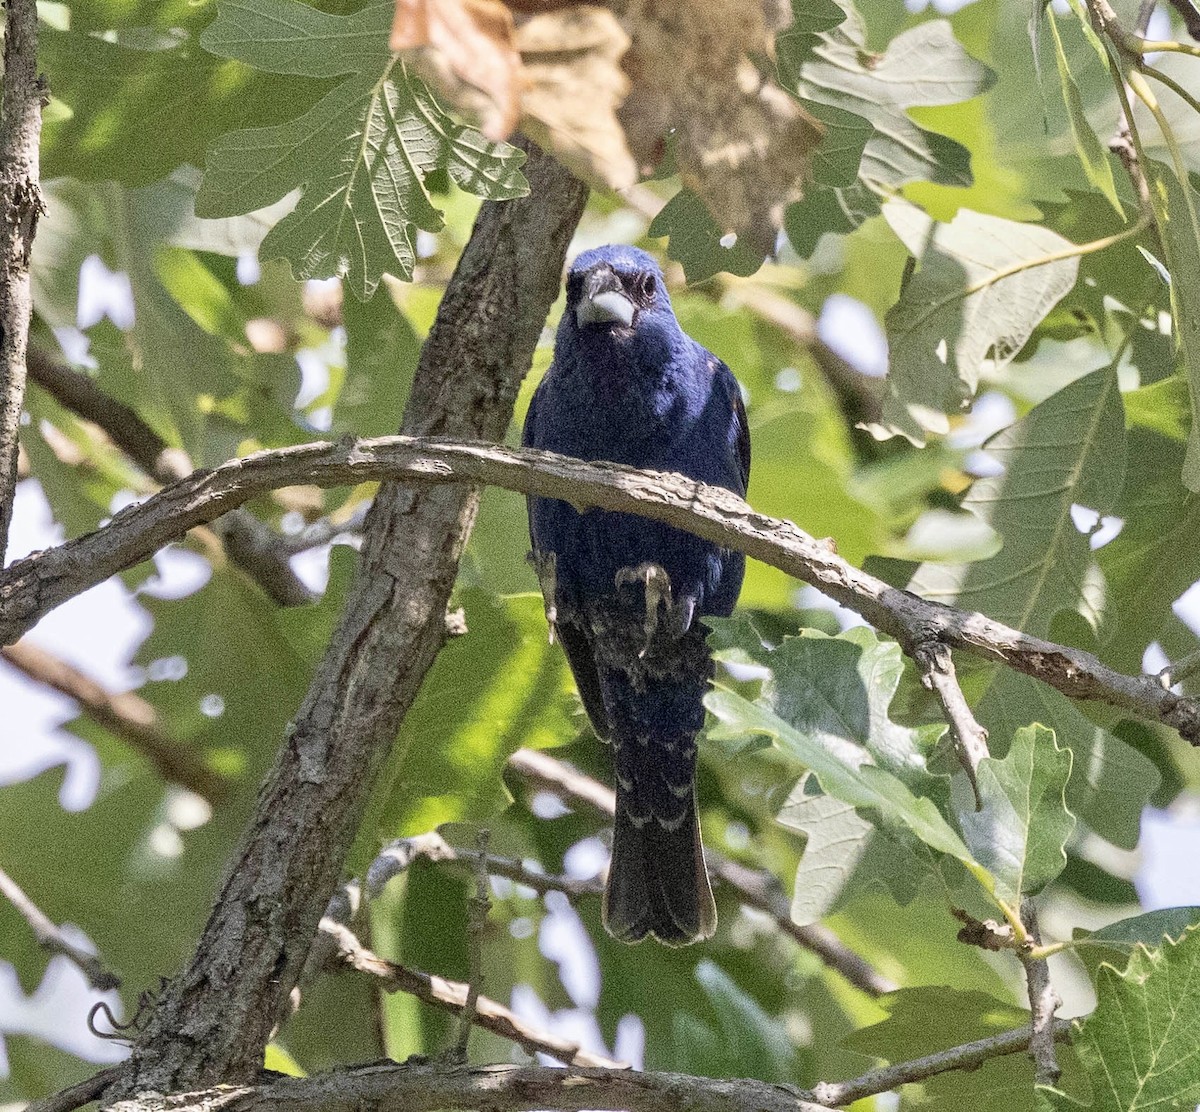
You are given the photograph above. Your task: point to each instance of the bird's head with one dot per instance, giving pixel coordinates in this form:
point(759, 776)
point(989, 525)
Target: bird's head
point(616, 294)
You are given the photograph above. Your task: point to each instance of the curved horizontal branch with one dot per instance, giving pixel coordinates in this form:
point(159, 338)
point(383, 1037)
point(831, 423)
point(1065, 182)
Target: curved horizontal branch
point(31, 587)
point(422, 1086)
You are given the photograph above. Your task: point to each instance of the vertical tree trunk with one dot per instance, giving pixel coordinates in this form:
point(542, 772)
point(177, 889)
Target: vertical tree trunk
point(215, 1018)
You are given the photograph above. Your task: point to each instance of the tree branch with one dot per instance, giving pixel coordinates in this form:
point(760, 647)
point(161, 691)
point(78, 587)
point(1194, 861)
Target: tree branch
point(968, 1056)
point(214, 1020)
point(451, 996)
point(397, 857)
point(31, 587)
point(420, 1086)
point(936, 666)
point(125, 715)
point(50, 936)
point(79, 1094)
point(1043, 1001)
point(22, 92)
point(249, 543)
point(757, 889)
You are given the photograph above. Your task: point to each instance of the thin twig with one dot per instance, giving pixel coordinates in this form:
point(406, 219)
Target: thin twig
point(249, 543)
point(51, 937)
point(125, 715)
point(1189, 12)
point(451, 996)
point(399, 855)
point(936, 666)
point(31, 587)
point(477, 912)
point(22, 94)
point(1043, 1002)
point(757, 888)
point(968, 1056)
point(1180, 670)
point(79, 1094)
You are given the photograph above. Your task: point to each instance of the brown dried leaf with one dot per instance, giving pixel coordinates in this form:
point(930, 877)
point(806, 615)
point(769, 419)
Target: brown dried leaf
point(469, 42)
point(741, 142)
point(575, 85)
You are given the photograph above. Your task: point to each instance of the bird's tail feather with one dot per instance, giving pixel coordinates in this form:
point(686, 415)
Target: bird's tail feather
point(657, 882)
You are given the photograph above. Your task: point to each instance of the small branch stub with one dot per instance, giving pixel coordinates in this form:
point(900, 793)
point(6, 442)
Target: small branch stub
point(936, 666)
point(477, 912)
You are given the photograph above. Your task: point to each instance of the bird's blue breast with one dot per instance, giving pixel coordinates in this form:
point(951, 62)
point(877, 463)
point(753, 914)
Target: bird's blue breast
point(670, 413)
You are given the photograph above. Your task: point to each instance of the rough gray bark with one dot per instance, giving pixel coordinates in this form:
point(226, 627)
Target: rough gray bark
point(215, 1018)
point(20, 207)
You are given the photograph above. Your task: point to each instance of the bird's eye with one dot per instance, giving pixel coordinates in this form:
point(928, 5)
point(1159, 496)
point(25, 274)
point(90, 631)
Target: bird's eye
point(648, 285)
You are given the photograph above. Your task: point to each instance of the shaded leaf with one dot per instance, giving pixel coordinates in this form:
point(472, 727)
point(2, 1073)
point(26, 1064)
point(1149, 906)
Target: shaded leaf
point(1067, 450)
point(818, 710)
point(926, 1019)
point(1148, 930)
point(836, 840)
point(135, 115)
point(1091, 154)
point(469, 717)
point(1111, 782)
point(1021, 831)
point(1180, 204)
point(695, 240)
point(982, 285)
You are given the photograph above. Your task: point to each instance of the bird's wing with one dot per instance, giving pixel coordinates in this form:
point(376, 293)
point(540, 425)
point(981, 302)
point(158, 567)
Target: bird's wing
point(573, 636)
point(740, 433)
point(581, 657)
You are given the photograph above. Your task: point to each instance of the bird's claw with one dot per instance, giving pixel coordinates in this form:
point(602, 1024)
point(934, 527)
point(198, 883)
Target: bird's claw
point(657, 584)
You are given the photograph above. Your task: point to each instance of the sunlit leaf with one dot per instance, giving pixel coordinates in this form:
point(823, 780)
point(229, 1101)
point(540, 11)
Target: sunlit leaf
point(361, 156)
point(1139, 1045)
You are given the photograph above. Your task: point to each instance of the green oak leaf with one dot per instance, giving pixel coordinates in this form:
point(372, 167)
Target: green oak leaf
point(362, 156)
point(928, 1018)
point(1139, 1045)
point(1152, 561)
point(1069, 449)
point(1111, 782)
point(979, 290)
point(1179, 206)
point(695, 240)
point(922, 67)
point(1021, 831)
point(1119, 940)
point(825, 706)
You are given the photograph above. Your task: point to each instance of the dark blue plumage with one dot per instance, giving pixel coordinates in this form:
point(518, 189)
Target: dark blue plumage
point(625, 594)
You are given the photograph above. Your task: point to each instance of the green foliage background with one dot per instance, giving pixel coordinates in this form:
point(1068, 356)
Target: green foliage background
point(962, 144)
